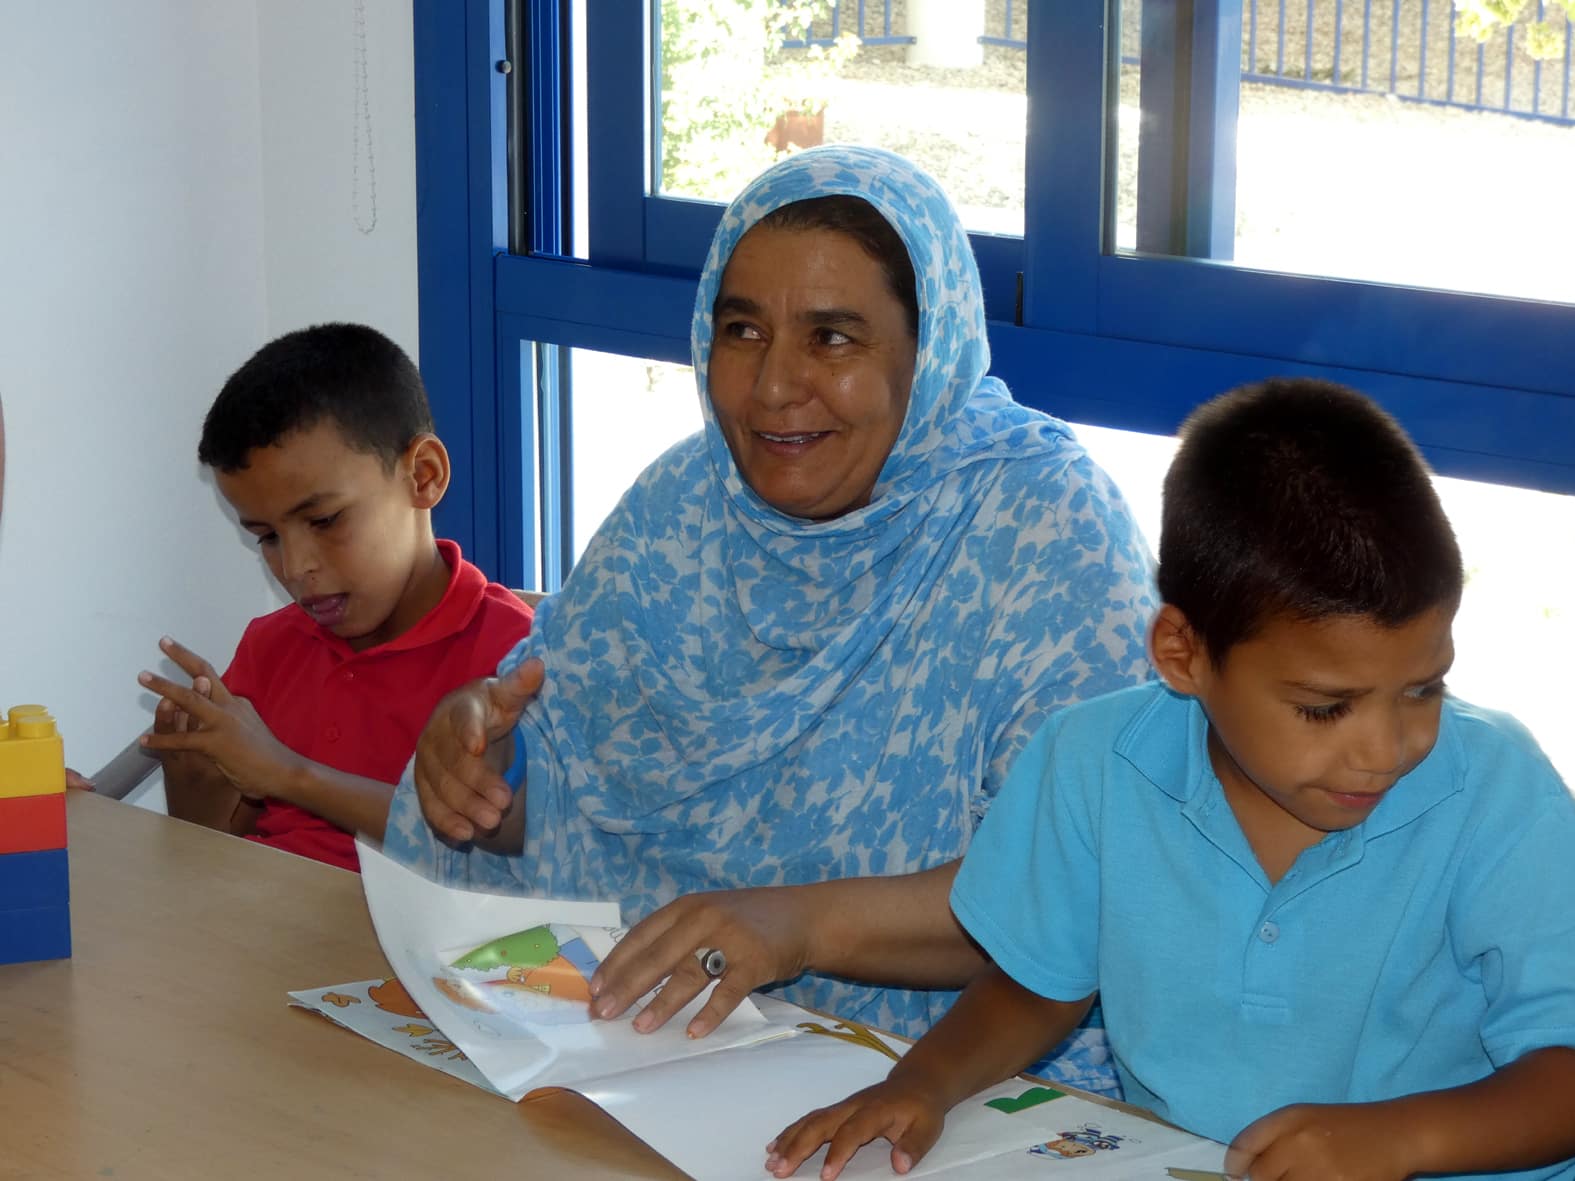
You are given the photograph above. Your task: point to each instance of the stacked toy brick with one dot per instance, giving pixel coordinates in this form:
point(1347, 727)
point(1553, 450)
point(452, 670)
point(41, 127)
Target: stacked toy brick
point(35, 904)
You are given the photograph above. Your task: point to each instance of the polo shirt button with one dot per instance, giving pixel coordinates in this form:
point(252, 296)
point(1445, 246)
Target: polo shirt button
point(349, 674)
point(1269, 932)
point(332, 733)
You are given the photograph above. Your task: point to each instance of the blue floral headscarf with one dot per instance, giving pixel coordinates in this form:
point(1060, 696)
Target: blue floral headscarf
point(738, 697)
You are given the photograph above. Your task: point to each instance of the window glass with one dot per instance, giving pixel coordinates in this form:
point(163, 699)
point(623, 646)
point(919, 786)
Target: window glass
point(941, 81)
point(626, 411)
point(1385, 142)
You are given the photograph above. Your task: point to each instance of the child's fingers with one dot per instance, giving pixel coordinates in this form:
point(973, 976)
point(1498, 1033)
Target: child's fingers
point(862, 1126)
point(165, 717)
point(1252, 1141)
point(802, 1139)
point(182, 697)
point(910, 1145)
point(195, 667)
point(174, 742)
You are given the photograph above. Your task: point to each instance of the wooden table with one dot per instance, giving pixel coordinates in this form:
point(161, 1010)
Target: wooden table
point(165, 1048)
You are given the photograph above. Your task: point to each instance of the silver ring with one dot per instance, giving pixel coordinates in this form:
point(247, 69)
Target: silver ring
point(712, 961)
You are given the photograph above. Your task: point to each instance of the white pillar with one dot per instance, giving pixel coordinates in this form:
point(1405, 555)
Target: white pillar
point(946, 33)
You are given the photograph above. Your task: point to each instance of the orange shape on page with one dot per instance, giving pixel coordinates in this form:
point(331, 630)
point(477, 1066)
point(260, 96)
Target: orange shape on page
point(391, 997)
point(461, 996)
point(560, 979)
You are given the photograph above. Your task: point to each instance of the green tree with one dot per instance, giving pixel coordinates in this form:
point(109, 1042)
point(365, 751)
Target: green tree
point(1482, 19)
point(725, 81)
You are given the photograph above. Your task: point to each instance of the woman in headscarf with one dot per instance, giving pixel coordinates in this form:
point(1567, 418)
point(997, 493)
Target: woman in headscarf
point(810, 641)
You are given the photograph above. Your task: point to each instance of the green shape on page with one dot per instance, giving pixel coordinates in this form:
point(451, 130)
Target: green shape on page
point(523, 949)
point(1032, 1097)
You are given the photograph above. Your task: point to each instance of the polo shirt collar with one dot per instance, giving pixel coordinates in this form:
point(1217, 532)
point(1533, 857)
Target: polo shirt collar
point(453, 613)
point(1167, 742)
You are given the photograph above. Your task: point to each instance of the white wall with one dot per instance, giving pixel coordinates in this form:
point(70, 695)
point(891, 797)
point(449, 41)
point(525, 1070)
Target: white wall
point(174, 190)
point(320, 264)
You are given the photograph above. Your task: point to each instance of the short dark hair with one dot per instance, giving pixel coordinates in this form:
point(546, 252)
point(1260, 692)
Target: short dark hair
point(1300, 497)
point(347, 373)
point(862, 222)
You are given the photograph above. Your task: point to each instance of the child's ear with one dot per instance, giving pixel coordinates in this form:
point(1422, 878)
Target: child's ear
point(1177, 651)
point(426, 461)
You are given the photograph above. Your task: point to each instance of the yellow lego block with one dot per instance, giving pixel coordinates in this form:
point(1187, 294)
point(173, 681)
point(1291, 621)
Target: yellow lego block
point(32, 757)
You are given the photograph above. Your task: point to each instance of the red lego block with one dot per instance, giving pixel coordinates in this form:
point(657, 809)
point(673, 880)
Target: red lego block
point(29, 824)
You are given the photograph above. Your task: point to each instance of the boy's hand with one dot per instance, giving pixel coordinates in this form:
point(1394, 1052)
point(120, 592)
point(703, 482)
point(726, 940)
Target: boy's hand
point(464, 749)
point(207, 720)
point(896, 1111)
point(1321, 1142)
point(763, 933)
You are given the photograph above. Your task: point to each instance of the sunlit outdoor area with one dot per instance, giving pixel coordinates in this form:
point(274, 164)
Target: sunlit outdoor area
point(1377, 141)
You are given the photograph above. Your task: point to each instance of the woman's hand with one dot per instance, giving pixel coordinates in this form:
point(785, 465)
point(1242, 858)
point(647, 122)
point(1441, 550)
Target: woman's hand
point(465, 748)
point(764, 934)
point(894, 1110)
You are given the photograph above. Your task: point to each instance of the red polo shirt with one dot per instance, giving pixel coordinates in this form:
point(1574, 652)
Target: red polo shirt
point(361, 712)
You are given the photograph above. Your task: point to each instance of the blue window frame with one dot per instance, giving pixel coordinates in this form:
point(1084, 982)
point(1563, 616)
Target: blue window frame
point(1485, 384)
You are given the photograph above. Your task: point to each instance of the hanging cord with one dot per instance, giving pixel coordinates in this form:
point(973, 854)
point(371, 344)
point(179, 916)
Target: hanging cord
point(365, 221)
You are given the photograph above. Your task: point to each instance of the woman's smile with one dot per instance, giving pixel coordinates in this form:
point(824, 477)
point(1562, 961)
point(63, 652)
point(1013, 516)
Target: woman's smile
point(807, 334)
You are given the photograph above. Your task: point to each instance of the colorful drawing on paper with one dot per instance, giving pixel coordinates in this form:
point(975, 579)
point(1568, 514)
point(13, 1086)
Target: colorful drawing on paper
point(851, 1031)
point(1086, 1140)
point(539, 976)
point(383, 1011)
point(391, 997)
point(1032, 1097)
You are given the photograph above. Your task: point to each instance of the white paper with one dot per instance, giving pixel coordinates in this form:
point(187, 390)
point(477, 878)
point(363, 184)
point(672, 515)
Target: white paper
point(419, 922)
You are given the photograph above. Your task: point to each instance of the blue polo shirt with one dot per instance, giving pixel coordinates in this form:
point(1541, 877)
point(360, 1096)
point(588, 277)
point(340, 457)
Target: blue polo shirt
point(1422, 949)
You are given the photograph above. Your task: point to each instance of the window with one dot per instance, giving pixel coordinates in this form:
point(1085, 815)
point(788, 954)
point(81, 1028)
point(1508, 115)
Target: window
point(1360, 140)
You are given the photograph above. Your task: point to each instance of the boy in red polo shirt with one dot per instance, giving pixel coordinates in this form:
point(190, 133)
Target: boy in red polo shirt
point(323, 444)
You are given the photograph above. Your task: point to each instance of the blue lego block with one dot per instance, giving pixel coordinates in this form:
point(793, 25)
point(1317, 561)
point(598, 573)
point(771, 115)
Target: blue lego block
point(32, 880)
point(38, 933)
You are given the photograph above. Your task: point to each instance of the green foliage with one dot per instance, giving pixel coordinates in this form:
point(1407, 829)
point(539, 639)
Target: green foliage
point(1482, 19)
point(725, 81)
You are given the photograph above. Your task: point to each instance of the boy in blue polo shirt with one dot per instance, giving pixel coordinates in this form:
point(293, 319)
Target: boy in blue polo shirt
point(1329, 911)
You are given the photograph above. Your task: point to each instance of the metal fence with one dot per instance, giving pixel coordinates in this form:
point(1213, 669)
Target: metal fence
point(1406, 48)
point(819, 34)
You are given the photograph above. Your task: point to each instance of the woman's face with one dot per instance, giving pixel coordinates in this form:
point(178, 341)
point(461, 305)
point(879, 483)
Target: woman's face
point(811, 367)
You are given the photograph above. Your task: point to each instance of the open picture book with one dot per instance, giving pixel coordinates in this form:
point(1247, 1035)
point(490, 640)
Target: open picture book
point(494, 990)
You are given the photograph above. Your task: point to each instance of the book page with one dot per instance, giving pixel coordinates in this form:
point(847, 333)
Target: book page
point(713, 1117)
point(504, 979)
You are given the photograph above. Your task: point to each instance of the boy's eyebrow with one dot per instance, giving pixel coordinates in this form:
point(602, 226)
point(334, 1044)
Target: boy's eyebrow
point(1353, 694)
point(310, 504)
point(1327, 690)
